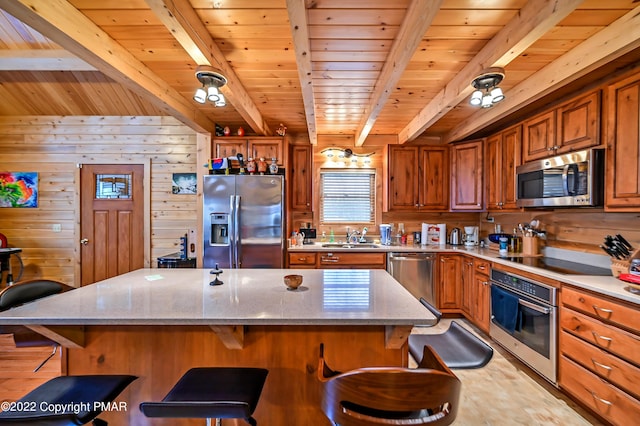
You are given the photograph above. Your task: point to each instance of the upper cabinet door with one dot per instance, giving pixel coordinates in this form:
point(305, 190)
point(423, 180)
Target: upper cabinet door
point(539, 136)
point(579, 123)
point(267, 149)
point(403, 178)
point(300, 182)
point(434, 178)
point(467, 188)
point(622, 191)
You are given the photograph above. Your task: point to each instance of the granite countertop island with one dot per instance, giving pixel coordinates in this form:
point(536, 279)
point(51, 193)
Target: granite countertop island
point(248, 296)
point(158, 323)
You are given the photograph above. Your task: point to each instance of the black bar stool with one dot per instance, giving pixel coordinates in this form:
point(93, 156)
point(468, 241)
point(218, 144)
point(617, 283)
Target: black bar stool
point(212, 393)
point(79, 399)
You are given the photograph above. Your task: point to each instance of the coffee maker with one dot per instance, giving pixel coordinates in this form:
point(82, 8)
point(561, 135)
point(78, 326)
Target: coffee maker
point(470, 236)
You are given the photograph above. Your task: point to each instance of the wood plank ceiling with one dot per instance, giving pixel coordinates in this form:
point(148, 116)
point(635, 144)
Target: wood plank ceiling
point(352, 68)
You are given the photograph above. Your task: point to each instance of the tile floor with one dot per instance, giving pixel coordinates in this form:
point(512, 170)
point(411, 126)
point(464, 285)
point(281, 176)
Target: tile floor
point(506, 392)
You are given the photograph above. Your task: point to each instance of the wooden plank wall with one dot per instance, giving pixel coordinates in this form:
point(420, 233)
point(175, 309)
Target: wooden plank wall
point(53, 146)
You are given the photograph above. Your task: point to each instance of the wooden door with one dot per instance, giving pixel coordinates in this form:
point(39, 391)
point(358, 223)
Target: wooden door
point(434, 178)
point(267, 149)
point(467, 285)
point(539, 136)
point(403, 178)
point(448, 295)
point(481, 302)
point(467, 189)
point(622, 190)
point(300, 183)
point(579, 123)
point(112, 220)
point(511, 159)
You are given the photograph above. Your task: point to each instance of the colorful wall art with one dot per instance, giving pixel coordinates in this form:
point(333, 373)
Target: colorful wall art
point(18, 189)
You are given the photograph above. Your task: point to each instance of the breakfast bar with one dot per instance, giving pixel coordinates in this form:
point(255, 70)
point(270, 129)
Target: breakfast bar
point(156, 324)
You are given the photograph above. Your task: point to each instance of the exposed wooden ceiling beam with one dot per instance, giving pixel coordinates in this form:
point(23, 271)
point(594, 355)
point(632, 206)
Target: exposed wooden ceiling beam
point(64, 24)
point(186, 26)
point(300, 31)
point(615, 40)
point(534, 20)
point(417, 20)
point(41, 60)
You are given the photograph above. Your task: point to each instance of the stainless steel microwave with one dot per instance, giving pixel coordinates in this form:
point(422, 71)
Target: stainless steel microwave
point(575, 179)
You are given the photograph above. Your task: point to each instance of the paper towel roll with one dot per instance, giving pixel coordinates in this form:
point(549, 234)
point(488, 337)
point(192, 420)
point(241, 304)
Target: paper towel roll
point(425, 234)
point(443, 233)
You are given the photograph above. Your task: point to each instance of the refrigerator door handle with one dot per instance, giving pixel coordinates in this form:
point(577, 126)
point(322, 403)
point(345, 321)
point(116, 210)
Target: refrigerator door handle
point(232, 232)
point(236, 232)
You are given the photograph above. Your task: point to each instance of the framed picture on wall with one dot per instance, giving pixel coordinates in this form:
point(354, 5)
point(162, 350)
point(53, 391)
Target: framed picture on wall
point(184, 183)
point(19, 189)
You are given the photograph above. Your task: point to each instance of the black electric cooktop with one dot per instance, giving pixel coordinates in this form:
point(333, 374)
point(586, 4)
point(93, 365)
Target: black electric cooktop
point(560, 266)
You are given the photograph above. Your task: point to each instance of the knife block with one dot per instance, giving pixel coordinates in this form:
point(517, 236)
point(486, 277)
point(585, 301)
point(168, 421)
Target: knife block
point(622, 266)
point(529, 246)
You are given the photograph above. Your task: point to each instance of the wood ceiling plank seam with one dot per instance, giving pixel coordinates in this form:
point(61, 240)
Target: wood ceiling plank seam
point(297, 12)
point(183, 22)
point(613, 41)
point(418, 17)
point(533, 21)
point(62, 23)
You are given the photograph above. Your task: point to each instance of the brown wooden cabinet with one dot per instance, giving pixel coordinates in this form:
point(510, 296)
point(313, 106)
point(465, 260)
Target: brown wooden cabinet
point(481, 309)
point(502, 157)
point(467, 187)
point(539, 136)
point(572, 126)
point(300, 182)
point(337, 260)
point(622, 192)
point(599, 343)
point(418, 178)
point(466, 285)
point(252, 147)
point(475, 295)
point(449, 282)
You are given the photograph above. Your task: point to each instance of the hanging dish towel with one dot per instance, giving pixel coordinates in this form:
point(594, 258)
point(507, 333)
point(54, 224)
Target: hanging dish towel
point(504, 306)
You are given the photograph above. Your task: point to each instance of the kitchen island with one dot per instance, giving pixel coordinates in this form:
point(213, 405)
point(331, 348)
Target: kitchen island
point(157, 323)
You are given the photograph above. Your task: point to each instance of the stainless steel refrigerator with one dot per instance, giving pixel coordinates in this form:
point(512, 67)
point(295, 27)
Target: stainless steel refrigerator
point(243, 221)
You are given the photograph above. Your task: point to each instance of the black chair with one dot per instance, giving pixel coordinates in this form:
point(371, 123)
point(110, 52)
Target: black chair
point(427, 395)
point(25, 292)
point(458, 347)
point(212, 393)
point(82, 396)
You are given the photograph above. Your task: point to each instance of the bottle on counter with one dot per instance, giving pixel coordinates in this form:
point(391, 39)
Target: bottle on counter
point(332, 236)
point(516, 242)
point(323, 238)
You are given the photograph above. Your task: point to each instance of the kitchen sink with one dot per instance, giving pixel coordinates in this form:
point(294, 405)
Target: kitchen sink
point(344, 245)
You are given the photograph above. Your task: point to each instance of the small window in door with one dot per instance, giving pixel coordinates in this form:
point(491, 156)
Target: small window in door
point(113, 186)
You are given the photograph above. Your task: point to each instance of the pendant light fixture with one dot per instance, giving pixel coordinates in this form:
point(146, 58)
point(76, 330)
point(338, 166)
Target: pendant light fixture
point(211, 81)
point(487, 91)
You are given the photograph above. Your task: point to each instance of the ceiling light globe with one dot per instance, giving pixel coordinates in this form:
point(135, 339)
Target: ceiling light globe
point(486, 101)
point(213, 94)
point(221, 102)
point(497, 95)
point(200, 96)
point(476, 98)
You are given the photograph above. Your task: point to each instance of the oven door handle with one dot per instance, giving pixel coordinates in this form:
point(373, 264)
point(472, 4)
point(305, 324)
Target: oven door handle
point(535, 307)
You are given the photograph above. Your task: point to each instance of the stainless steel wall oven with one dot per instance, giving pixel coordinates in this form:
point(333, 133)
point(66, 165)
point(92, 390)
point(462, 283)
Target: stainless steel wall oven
point(524, 320)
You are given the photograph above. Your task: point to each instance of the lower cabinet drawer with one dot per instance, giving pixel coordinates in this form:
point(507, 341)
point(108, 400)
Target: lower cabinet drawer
point(369, 260)
point(620, 373)
point(603, 398)
point(607, 337)
point(302, 258)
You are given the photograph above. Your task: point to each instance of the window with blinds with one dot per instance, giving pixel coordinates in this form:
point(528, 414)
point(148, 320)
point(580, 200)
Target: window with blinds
point(347, 196)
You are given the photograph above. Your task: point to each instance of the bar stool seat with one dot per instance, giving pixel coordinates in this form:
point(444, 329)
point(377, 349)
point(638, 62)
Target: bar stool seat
point(80, 400)
point(212, 393)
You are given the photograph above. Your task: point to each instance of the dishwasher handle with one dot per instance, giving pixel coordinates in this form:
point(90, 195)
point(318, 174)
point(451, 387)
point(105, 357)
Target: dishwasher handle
point(411, 256)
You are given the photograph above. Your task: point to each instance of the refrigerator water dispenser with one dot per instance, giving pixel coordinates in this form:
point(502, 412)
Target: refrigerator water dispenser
point(220, 228)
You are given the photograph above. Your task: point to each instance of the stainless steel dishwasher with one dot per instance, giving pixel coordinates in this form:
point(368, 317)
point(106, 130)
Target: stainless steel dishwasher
point(415, 271)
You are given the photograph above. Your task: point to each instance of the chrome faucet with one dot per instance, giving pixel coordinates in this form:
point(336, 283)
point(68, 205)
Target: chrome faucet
point(352, 237)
